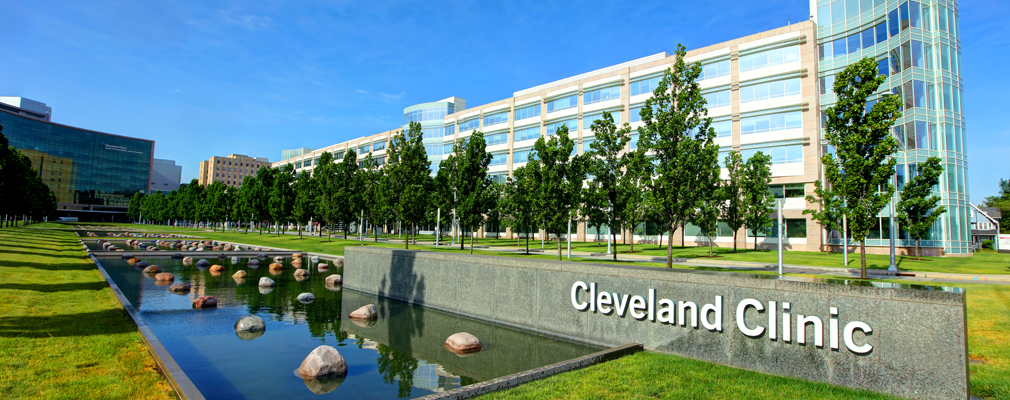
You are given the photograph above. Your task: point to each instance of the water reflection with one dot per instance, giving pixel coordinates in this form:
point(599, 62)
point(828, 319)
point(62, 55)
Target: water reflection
point(397, 356)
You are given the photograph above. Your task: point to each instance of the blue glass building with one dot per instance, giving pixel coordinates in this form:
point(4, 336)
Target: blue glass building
point(916, 45)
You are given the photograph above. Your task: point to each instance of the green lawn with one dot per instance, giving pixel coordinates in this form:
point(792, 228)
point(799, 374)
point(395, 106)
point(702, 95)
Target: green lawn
point(63, 334)
point(648, 375)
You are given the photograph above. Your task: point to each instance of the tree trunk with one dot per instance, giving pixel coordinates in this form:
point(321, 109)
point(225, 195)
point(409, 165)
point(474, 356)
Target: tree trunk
point(669, 248)
point(527, 244)
point(734, 240)
point(862, 259)
point(559, 247)
point(710, 246)
point(328, 234)
point(613, 238)
point(471, 244)
point(827, 247)
point(916, 249)
point(299, 231)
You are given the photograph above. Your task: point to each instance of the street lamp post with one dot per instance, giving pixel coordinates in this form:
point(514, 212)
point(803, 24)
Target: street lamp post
point(780, 231)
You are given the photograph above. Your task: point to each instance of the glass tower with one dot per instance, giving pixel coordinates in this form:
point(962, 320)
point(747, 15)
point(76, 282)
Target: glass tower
point(431, 116)
point(82, 167)
point(916, 45)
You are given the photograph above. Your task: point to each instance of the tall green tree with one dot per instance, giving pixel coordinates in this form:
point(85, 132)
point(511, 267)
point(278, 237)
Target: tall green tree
point(862, 164)
point(282, 196)
point(607, 165)
point(518, 204)
point(346, 198)
point(559, 177)
point(471, 183)
point(134, 209)
point(734, 208)
point(706, 218)
point(260, 193)
point(215, 204)
point(919, 208)
point(829, 212)
point(304, 209)
point(407, 177)
point(679, 134)
point(245, 203)
point(758, 200)
point(327, 191)
point(635, 181)
point(370, 199)
point(594, 207)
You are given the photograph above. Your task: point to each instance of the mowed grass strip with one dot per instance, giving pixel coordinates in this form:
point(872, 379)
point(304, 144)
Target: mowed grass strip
point(63, 334)
point(648, 375)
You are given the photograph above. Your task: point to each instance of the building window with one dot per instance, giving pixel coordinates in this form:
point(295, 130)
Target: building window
point(770, 90)
point(563, 103)
point(554, 126)
point(780, 154)
point(644, 85)
point(714, 70)
point(376, 147)
point(469, 125)
point(498, 138)
point(521, 156)
point(527, 133)
point(498, 159)
point(787, 191)
point(723, 128)
point(497, 118)
point(771, 122)
point(717, 99)
point(587, 121)
point(528, 112)
point(771, 57)
point(598, 95)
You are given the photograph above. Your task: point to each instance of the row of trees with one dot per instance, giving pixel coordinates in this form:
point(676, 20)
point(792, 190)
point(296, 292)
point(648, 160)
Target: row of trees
point(23, 195)
point(1002, 202)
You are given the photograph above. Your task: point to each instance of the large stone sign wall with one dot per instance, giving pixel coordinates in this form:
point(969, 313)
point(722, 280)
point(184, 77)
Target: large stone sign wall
point(903, 341)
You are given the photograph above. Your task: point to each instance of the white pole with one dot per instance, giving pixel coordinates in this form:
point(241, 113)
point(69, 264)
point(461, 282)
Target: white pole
point(569, 239)
point(781, 232)
point(609, 239)
point(361, 223)
point(845, 239)
point(893, 267)
point(438, 228)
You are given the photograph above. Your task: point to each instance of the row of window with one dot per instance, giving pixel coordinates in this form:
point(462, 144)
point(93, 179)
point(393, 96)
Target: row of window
point(424, 115)
point(563, 103)
point(770, 90)
point(781, 154)
point(469, 125)
point(771, 122)
point(498, 138)
point(714, 70)
point(498, 159)
point(496, 118)
point(769, 58)
point(588, 120)
point(570, 123)
point(598, 95)
point(528, 112)
point(853, 43)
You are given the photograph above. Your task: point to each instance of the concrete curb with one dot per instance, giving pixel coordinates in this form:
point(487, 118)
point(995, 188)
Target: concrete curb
point(519, 378)
point(183, 386)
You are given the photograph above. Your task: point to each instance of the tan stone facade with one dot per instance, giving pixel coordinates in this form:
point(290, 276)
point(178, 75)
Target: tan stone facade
point(231, 169)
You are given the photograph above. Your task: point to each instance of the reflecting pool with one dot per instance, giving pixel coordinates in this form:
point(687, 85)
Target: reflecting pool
point(400, 355)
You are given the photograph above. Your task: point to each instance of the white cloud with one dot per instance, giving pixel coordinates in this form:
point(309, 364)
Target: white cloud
point(248, 21)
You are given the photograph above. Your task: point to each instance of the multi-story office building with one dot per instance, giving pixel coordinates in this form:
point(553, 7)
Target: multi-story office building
point(230, 170)
point(165, 175)
point(92, 174)
point(766, 92)
point(26, 107)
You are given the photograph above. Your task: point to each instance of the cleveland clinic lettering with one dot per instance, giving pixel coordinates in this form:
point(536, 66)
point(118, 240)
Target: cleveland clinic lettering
point(779, 321)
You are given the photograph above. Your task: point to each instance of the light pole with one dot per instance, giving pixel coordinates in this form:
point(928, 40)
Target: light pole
point(845, 239)
point(569, 237)
point(779, 204)
point(438, 228)
point(892, 267)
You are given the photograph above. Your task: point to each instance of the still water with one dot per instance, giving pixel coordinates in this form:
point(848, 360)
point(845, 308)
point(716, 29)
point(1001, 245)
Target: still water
point(401, 355)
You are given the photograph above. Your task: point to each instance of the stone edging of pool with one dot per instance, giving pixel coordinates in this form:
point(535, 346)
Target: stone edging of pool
point(183, 386)
point(519, 378)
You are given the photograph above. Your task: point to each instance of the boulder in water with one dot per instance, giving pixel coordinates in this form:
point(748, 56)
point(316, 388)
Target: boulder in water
point(365, 312)
point(323, 361)
point(164, 277)
point(152, 269)
point(306, 298)
point(205, 302)
point(463, 342)
point(180, 287)
point(267, 282)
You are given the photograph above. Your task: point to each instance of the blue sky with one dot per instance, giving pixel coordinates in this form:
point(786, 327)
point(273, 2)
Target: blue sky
point(206, 78)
